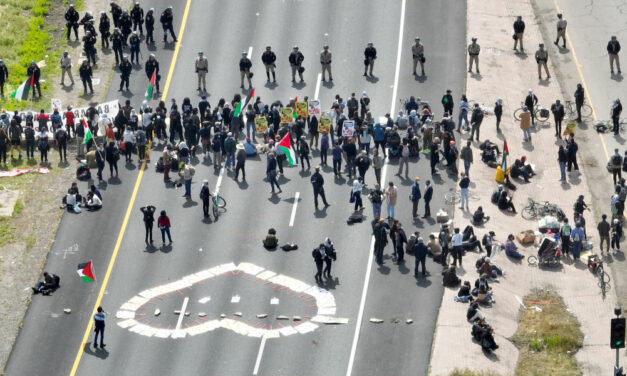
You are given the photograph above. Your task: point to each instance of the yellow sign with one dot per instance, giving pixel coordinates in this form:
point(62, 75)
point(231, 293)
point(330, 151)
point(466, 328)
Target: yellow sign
point(302, 109)
point(261, 124)
point(287, 115)
point(324, 126)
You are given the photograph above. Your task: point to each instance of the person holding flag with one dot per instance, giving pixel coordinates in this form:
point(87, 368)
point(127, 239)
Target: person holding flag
point(34, 73)
point(152, 72)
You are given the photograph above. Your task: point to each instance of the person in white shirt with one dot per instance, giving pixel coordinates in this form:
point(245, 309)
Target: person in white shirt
point(93, 202)
point(458, 240)
point(561, 30)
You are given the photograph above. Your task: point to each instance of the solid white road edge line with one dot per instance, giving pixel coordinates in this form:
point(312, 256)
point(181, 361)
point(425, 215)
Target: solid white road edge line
point(318, 86)
point(296, 196)
point(182, 314)
point(364, 293)
point(259, 354)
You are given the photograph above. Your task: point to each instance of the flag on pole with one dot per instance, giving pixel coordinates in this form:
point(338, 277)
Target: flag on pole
point(286, 146)
point(88, 135)
point(505, 154)
point(238, 108)
point(294, 109)
point(86, 272)
point(151, 85)
point(22, 92)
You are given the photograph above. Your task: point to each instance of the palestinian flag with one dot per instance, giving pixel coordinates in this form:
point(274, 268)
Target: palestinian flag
point(86, 272)
point(22, 92)
point(151, 85)
point(88, 135)
point(505, 154)
point(242, 104)
point(286, 146)
point(294, 109)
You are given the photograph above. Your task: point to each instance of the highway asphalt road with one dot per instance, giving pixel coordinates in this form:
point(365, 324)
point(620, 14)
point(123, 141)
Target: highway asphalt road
point(49, 339)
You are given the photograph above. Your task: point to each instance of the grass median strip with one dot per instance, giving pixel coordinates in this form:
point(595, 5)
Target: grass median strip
point(548, 339)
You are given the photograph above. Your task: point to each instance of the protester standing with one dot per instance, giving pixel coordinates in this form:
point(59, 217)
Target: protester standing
point(164, 225)
point(99, 323)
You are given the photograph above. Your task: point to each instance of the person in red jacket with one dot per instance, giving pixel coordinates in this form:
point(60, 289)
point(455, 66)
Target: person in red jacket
point(164, 225)
point(69, 121)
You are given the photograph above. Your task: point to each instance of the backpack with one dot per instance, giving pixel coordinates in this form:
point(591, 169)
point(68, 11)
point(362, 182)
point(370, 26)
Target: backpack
point(57, 280)
point(576, 237)
point(616, 162)
point(622, 196)
point(116, 154)
point(566, 230)
point(495, 197)
point(159, 166)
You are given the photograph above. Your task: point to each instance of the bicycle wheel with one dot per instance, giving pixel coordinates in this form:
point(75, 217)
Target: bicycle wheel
point(532, 260)
point(452, 198)
point(221, 202)
point(529, 212)
point(603, 276)
point(571, 112)
point(586, 110)
point(539, 117)
point(517, 114)
point(215, 210)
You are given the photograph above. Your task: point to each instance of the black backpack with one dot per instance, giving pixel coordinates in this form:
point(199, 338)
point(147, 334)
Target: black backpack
point(116, 154)
point(57, 281)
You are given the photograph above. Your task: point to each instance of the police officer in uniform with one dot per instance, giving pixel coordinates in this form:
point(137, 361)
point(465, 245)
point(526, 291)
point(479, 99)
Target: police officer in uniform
point(135, 47)
point(72, 17)
point(542, 56)
point(519, 32)
point(296, 59)
point(152, 65)
point(613, 48)
point(104, 27)
point(116, 14)
point(244, 70)
point(66, 67)
point(126, 25)
point(202, 67)
point(117, 42)
point(370, 54)
point(85, 73)
point(125, 72)
point(89, 26)
point(561, 30)
point(34, 72)
point(137, 15)
point(150, 26)
point(418, 53)
point(268, 59)
point(473, 55)
point(4, 76)
point(89, 41)
point(166, 23)
point(85, 20)
point(325, 61)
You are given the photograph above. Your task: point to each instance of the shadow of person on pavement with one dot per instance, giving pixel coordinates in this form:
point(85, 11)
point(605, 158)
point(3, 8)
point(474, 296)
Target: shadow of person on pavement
point(189, 203)
point(420, 79)
point(98, 352)
point(617, 77)
point(383, 269)
point(331, 283)
point(166, 248)
point(299, 85)
point(423, 281)
point(274, 198)
point(403, 268)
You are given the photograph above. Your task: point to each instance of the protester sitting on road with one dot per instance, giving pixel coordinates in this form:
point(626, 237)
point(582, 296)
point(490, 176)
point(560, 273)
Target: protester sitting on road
point(479, 217)
point(505, 202)
point(95, 191)
point(463, 295)
point(483, 334)
point(271, 241)
point(473, 313)
point(93, 202)
point(450, 278)
point(434, 248)
point(510, 248)
point(483, 293)
point(249, 148)
point(48, 285)
point(70, 200)
point(519, 168)
point(487, 268)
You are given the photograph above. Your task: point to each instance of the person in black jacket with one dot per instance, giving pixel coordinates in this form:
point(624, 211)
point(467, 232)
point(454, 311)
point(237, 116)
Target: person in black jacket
point(135, 43)
point(166, 23)
point(427, 198)
point(150, 26)
point(72, 17)
point(85, 73)
point(519, 32)
point(447, 103)
point(152, 66)
point(112, 155)
point(531, 101)
point(317, 181)
point(104, 27)
point(613, 48)
point(558, 114)
point(579, 99)
point(34, 72)
point(89, 42)
point(296, 60)
point(116, 14)
point(244, 70)
point(4, 76)
point(616, 110)
point(100, 160)
point(137, 15)
point(319, 254)
point(498, 112)
point(126, 25)
point(149, 220)
point(117, 42)
point(205, 195)
point(125, 73)
point(370, 54)
point(268, 59)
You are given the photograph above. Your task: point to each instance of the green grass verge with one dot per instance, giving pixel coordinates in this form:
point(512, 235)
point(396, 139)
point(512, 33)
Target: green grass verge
point(547, 340)
point(26, 36)
point(467, 372)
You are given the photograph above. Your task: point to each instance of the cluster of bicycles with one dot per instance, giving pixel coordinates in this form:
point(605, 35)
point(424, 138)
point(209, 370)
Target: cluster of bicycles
point(536, 209)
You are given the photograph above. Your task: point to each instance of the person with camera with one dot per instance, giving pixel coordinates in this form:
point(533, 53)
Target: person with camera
point(244, 70)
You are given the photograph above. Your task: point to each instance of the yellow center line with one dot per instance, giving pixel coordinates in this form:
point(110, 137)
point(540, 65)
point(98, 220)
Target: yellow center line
point(583, 82)
point(118, 243)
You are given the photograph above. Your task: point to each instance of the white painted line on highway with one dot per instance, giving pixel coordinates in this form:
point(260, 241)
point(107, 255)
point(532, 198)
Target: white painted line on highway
point(364, 293)
point(250, 52)
point(318, 86)
point(296, 196)
point(219, 181)
point(182, 314)
point(258, 361)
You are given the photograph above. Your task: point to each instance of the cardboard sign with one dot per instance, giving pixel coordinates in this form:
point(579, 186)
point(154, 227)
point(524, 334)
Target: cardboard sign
point(348, 128)
point(314, 108)
point(287, 115)
point(324, 125)
point(261, 124)
point(301, 109)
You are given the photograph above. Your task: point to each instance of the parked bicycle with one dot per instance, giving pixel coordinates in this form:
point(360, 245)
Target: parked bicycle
point(570, 108)
point(536, 209)
point(541, 114)
point(606, 126)
point(218, 204)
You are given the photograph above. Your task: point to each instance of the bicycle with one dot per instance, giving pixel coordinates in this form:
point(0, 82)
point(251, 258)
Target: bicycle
point(217, 204)
point(606, 126)
point(570, 108)
point(541, 114)
point(455, 197)
point(535, 209)
point(604, 278)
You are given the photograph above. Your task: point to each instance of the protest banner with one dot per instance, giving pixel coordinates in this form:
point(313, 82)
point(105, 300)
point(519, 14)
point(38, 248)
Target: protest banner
point(287, 115)
point(324, 126)
point(314, 107)
point(261, 124)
